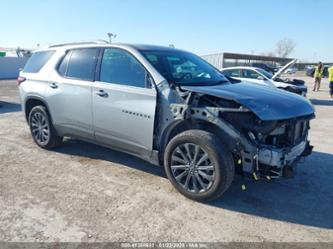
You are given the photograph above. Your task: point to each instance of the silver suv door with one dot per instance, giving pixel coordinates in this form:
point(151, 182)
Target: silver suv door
point(123, 103)
point(69, 94)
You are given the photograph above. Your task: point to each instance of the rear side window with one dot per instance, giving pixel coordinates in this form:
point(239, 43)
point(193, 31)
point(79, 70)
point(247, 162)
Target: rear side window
point(37, 61)
point(232, 73)
point(79, 64)
point(250, 74)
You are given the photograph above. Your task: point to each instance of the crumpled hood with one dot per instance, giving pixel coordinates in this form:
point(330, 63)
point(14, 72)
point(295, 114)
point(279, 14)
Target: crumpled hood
point(266, 102)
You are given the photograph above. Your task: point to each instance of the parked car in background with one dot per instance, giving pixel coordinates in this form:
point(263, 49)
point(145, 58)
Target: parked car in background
point(310, 71)
point(262, 77)
point(291, 70)
point(167, 106)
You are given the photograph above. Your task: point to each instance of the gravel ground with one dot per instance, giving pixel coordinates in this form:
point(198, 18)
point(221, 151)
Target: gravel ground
point(83, 192)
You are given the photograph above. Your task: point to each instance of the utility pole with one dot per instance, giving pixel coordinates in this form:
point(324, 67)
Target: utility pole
point(111, 35)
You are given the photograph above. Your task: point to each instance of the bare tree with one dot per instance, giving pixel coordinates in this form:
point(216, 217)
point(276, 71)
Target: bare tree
point(285, 47)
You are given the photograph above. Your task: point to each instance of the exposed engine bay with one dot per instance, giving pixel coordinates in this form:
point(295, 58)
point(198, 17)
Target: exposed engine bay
point(262, 149)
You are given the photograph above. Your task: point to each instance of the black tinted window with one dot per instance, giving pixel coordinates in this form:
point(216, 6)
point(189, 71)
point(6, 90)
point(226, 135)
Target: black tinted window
point(37, 61)
point(120, 67)
point(82, 63)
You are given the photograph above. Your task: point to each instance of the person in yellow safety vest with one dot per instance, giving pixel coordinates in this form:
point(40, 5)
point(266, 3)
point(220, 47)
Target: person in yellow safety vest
point(330, 79)
point(318, 74)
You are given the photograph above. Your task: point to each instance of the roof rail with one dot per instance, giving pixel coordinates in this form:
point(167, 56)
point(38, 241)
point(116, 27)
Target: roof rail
point(79, 43)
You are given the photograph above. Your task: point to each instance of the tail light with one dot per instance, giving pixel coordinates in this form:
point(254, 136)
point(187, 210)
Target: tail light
point(20, 80)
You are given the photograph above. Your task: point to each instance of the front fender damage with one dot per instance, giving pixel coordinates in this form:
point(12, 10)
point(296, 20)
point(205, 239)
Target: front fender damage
point(260, 148)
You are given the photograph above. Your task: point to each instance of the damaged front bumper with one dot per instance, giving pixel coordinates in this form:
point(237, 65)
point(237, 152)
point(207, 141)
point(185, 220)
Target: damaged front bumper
point(276, 153)
point(280, 157)
point(270, 162)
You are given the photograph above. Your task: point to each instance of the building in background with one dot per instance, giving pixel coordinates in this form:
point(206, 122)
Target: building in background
point(269, 63)
point(222, 60)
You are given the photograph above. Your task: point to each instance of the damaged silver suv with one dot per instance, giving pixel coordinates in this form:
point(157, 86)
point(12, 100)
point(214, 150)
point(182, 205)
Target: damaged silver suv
point(168, 107)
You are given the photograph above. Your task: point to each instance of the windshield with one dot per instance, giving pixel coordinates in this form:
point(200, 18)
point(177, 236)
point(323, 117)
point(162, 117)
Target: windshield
point(264, 72)
point(184, 68)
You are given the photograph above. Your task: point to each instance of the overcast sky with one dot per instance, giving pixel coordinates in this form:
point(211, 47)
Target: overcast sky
point(203, 27)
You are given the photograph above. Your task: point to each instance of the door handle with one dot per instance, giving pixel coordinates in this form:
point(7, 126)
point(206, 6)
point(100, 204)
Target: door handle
point(102, 93)
point(53, 85)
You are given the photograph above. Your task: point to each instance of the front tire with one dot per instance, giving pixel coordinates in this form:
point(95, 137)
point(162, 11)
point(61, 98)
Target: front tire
point(199, 165)
point(42, 130)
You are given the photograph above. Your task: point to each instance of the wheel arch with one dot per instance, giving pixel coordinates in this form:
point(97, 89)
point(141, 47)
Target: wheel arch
point(183, 125)
point(33, 101)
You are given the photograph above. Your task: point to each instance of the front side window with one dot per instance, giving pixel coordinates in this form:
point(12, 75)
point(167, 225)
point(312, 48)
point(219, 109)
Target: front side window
point(81, 64)
point(250, 74)
point(183, 68)
point(37, 61)
point(120, 67)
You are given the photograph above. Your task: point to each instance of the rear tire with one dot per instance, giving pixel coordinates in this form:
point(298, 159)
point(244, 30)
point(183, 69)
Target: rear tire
point(42, 130)
point(199, 165)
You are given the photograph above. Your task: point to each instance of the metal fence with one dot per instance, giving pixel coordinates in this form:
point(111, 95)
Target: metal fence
point(10, 66)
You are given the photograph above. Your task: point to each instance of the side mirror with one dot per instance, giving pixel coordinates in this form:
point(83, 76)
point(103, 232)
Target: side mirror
point(260, 78)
